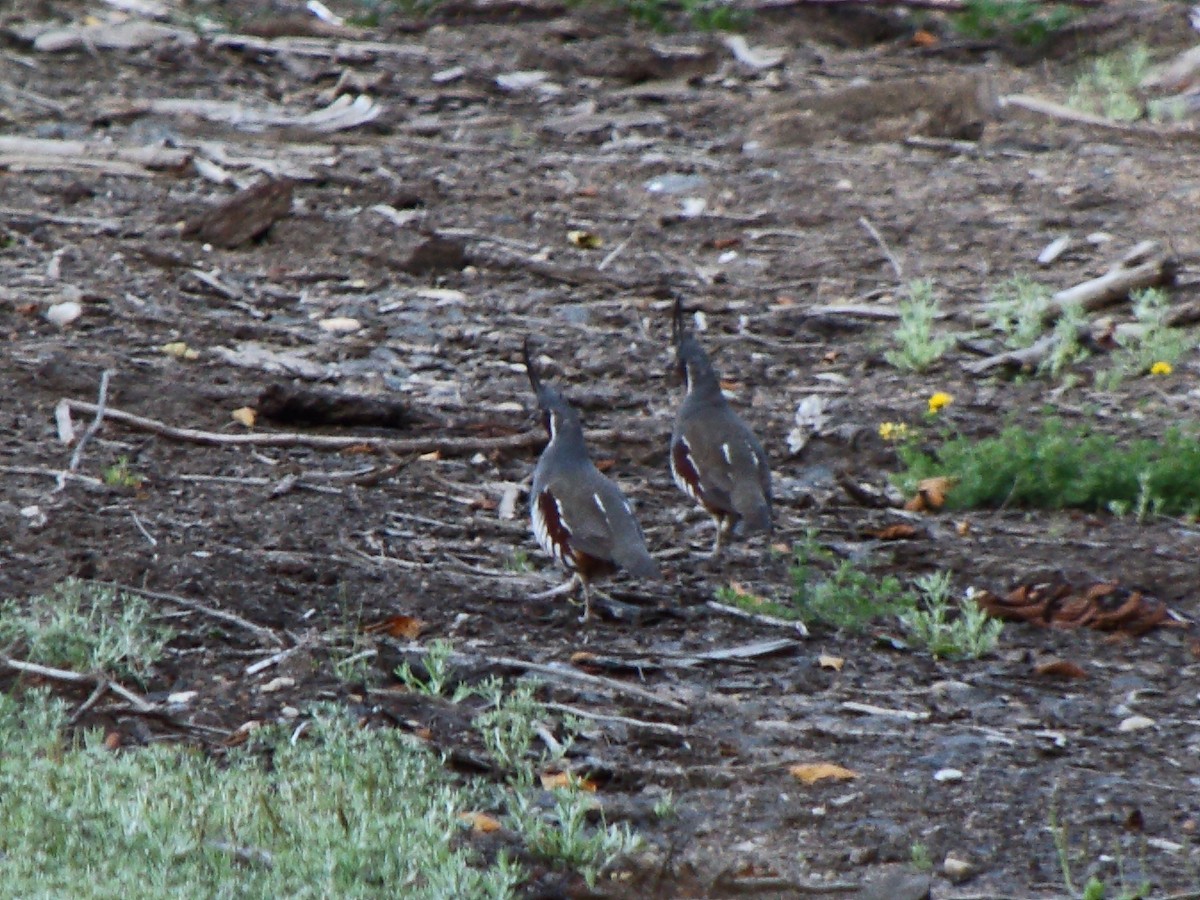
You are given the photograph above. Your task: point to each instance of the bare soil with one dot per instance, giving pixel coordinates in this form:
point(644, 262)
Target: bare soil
point(315, 544)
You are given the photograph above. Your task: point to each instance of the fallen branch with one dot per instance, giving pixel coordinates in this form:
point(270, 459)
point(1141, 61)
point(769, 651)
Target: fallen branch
point(791, 624)
point(1062, 113)
point(620, 720)
point(887, 252)
point(1024, 358)
point(559, 673)
point(17, 665)
point(264, 633)
point(101, 403)
point(1112, 286)
point(430, 444)
point(941, 5)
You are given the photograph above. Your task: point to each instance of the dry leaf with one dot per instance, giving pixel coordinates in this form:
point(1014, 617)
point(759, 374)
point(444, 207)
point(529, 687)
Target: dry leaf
point(397, 627)
point(242, 733)
point(726, 242)
point(430, 457)
point(356, 449)
point(895, 533)
point(480, 822)
point(811, 773)
point(931, 494)
point(962, 528)
point(180, 350)
point(923, 38)
point(552, 780)
point(585, 240)
point(1060, 668)
point(831, 356)
point(825, 661)
point(244, 415)
point(112, 740)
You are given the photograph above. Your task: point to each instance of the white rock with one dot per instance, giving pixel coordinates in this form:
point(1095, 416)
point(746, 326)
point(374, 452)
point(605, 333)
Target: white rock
point(1135, 723)
point(277, 684)
point(1054, 250)
point(339, 325)
point(182, 697)
point(63, 314)
point(948, 775)
point(957, 869)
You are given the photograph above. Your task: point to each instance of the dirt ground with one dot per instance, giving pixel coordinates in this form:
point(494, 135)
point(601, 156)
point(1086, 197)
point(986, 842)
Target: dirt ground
point(442, 228)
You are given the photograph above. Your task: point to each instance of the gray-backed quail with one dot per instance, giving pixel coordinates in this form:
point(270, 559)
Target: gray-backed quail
point(580, 517)
point(715, 458)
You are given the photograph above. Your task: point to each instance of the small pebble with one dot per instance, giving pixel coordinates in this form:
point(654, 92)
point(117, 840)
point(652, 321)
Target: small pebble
point(1135, 723)
point(948, 775)
point(63, 314)
point(956, 868)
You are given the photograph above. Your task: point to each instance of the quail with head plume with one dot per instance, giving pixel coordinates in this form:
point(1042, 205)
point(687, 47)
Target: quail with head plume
point(715, 458)
point(580, 517)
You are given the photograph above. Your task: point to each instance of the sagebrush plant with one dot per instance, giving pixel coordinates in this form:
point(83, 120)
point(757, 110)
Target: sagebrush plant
point(438, 673)
point(1025, 22)
point(918, 346)
point(344, 811)
point(847, 597)
point(84, 627)
point(1067, 349)
point(121, 475)
point(1017, 309)
point(1055, 466)
point(1152, 341)
point(509, 726)
point(970, 634)
point(1110, 86)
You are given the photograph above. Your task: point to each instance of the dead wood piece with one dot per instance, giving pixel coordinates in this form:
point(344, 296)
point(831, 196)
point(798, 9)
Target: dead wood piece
point(792, 624)
point(301, 406)
point(867, 709)
point(561, 673)
point(51, 154)
point(1182, 316)
point(98, 681)
point(1058, 111)
point(1024, 358)
point(265, 634)
point(1113, 286)
point(942, 5)
point(433, 443)
point(343, 51)
point(128, 35)
point(244, 216)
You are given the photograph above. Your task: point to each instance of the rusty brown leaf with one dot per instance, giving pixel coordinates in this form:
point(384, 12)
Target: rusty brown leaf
point(1060, 668)
point(398, 627)
point(811, 773)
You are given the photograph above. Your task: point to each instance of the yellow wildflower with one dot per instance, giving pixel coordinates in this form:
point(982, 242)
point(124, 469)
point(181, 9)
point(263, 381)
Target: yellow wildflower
point(893, 431)
point(938, 400)
point(1161, 368)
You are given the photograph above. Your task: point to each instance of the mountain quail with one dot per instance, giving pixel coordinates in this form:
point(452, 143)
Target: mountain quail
point(715, 458)
point(580, 517)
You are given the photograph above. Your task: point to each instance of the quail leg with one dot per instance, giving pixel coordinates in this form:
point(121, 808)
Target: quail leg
point(724, 526)
point(567, 587)
point(587, 600)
